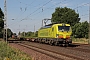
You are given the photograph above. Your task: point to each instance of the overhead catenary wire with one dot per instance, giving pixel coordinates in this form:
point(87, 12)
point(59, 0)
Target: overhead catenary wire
point(79, 6)
point(20, 14)
point(34, 13)
point(36, 10)
point(74, 8)
point(28, 5)
point(41, 8)
point(49, 7)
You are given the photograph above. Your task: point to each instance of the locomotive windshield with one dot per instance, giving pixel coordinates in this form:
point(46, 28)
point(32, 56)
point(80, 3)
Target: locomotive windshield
point(63, 28)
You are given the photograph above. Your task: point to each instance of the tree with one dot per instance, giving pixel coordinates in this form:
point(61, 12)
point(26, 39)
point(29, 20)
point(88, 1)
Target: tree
point(14, 34)
point(1, 23)
point(80, 30)
point(1, 20)
point(1, 14)
point(30, 34)
point(36, 34)
point(65, 15)
point(9, 33)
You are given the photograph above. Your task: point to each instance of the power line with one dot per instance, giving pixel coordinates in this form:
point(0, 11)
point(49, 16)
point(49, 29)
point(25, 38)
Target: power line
point(51, 6)
point(81, 5)
point(45, 10)
point(38, 8)
point(25, 8)
point(84, 14)
point(76, 8)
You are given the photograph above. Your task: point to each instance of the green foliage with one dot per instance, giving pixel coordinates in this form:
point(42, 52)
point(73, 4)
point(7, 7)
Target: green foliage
point(1, 14)
point(14, 34)
point(65, 15)
point(1, 34)
point(12, 54)
point(1, 23)
point(36, 34)
point(80, 30)
point(9, 33)
point(29, 34)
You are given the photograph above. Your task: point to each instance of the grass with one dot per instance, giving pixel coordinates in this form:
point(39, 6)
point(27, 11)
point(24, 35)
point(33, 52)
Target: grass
point(80, 40)
point(8, 53)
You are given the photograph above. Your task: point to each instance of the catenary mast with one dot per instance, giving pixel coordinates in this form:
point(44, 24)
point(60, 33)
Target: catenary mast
point(5, 21)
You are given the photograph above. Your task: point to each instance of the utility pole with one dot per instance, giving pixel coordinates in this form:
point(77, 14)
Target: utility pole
point(5, 21)
point(89, 25)
point(34, 30)
point(42, 23)
point(24, 32)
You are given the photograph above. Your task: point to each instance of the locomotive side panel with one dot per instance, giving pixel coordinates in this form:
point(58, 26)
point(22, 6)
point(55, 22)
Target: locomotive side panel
point(44, 33)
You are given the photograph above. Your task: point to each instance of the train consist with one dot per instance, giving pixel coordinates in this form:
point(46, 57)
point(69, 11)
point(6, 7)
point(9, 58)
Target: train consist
point(55, 34)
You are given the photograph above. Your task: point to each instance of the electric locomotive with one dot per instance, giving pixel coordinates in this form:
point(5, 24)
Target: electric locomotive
point(55, 34)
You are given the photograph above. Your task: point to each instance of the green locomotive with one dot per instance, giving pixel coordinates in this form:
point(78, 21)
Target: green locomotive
point(55, 34)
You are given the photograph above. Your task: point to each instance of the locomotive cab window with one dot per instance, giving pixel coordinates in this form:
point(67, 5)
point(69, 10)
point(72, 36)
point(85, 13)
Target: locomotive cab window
point(63, 28)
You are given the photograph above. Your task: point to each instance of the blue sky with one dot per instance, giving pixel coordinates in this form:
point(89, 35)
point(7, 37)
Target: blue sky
point(30, 13)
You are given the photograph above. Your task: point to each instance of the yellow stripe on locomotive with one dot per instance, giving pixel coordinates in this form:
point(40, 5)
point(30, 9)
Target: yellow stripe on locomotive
point(62, 31)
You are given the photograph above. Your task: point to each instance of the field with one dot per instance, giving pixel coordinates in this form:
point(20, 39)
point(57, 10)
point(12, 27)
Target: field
point(8, 53)
point(80, 40)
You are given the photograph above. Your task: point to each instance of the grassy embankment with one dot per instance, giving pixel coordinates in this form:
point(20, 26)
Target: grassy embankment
point(8, 53)
point(80, 40)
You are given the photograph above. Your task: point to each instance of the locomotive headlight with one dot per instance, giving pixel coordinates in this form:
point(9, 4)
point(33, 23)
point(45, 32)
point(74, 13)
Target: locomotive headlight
point(60, 36)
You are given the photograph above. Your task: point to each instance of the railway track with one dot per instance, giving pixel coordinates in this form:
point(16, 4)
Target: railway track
point(76, 52)
point(80, 49)
point(40, 50)
point(56, 55)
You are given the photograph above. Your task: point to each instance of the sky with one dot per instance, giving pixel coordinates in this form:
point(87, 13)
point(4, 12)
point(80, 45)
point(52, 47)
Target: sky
point(27, 15)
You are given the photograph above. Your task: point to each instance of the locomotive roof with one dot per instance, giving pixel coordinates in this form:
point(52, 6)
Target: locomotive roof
point(54, 23)
point(50, 25)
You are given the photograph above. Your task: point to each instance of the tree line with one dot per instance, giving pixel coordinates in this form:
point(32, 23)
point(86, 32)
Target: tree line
point(28, 34)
